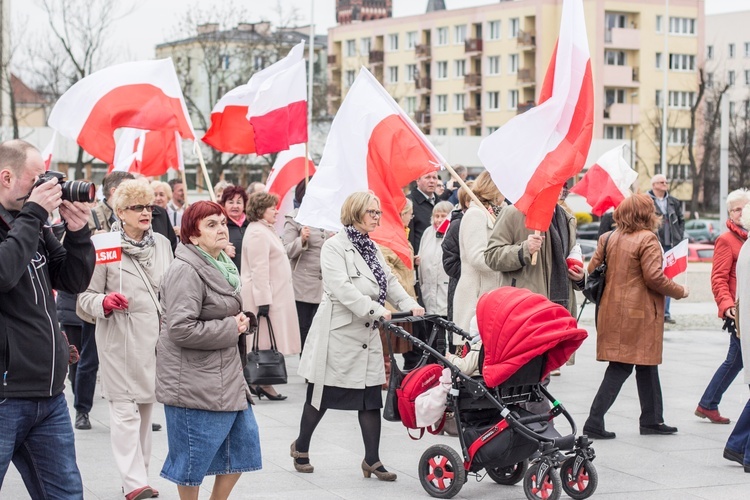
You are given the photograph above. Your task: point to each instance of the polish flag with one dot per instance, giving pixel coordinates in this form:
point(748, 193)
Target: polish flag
point(230, 130)
point(143, 94)
point(535, 153)
point(676, 260)
point(151, 153)
point(373, 145)
point(607, 182)
point(48, 150)
point(288, 171)
point(108, 247)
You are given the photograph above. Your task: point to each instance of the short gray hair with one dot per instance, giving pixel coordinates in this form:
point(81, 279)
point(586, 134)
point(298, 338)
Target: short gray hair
point(444, 207)
point(738, 195)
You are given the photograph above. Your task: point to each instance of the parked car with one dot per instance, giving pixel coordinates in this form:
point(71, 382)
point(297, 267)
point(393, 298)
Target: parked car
point(700, 252)
point(588, 247)
point(588, 231)
point(702, 230)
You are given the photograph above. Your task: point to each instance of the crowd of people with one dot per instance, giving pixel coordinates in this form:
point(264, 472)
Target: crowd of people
point(170, 321)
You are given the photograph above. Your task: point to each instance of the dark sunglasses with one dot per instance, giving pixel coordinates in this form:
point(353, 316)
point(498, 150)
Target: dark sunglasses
point(139, 208)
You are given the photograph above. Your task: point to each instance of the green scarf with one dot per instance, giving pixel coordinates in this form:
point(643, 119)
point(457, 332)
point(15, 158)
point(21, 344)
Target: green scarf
point(225, 266)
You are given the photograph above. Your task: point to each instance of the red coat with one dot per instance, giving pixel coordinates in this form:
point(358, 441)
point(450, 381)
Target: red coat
point(723, 272)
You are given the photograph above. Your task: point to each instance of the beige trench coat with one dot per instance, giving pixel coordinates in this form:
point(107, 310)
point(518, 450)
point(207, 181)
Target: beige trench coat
point(343, 347)
point(743, 312)
point(267, 280)
point(126, 340)
point(433, 280)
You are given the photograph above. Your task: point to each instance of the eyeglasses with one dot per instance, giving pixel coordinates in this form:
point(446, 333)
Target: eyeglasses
point(140, 208)
point(737, 209)
point(661, 182)
point(374, 213)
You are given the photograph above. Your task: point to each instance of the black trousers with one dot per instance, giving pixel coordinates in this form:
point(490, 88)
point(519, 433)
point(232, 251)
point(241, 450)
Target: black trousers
point(649, 394)
point(305, 314)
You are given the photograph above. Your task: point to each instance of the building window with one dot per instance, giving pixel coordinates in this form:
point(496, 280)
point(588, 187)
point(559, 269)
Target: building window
point(349, 77)
point(613, 20)
point(658, 24)
point(494, 30)
point(732, 109)
point(351, 48)
point(657, 98)
point(459, 131)
point(442, 70)
point(747, 49)
point(493, 100)
point(658, 60)
point(710, 52)
point(682, 62)
point(460, 66)
point(681, 26)
point(614, 96)
point(731, 51)
point(678, 172)
point(459, 102)
point(411, 72)
point(513, 64)
point(513, 99)
point(614, 57)
point(411, 40)
point(611, 132)
point(709, 80)
point(493, 65)
point(709, 108)
point(442, 36)
point(460, 34)
point(730, 78)
point(392, 74)
point(364, 45)
point(681, 100)
point(746, 108)
point(410, 104)
point(677, 136)
point(747, 77)
point(441, 131)
point(491, 130)
point(393, 42)
point(514, 27)
point(441, 104)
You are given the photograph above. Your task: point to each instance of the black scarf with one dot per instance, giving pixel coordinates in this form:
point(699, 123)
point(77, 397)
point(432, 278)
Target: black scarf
point(366, 248)
point(559, 289)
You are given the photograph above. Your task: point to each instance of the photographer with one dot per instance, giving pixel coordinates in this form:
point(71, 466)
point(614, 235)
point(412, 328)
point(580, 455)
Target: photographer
point(34, 415)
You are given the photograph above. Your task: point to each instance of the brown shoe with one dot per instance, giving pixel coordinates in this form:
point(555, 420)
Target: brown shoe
point(304, 468)
point(713, 415)
point(369, 470)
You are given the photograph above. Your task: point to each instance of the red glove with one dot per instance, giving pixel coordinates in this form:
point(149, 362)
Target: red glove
point(114, 301)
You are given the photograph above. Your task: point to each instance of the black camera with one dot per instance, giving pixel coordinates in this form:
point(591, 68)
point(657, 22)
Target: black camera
point(71, 190)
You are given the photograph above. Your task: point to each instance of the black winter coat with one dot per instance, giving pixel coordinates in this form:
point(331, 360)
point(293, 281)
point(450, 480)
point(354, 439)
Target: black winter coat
point(236, 235)
point(452, 257)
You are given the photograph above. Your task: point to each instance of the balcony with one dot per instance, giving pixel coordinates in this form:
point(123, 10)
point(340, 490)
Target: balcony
point(526, 40)
point(423, 84)
point(423, 52)
point(472, 116)
point(522, 108)
point(473, 45)
point(620, 76)
point(375, 57)
point(473, 80)
point(621, 114)
point(422, 117)
point(622, 38)
point(526, 76)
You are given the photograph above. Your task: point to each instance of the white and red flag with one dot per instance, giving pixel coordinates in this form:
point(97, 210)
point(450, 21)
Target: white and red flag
point(148, 152)
point(48, 150)
point(535, 153)
point(288, 171)
point(144, 95)
point(108, 247)
point(231, 131)
point(676, 260)
point(606, 183)
point(373, 145)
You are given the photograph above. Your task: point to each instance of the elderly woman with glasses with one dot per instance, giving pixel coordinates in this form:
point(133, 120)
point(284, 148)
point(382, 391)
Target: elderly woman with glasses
point(342, 359)
point(123, 297)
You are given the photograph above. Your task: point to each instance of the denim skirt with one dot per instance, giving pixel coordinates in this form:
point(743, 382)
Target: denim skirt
point(209, 443)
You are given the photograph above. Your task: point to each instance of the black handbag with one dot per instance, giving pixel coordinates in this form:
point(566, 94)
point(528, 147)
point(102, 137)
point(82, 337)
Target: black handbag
point(594, 287)
point(390, 406)
point(267, 366)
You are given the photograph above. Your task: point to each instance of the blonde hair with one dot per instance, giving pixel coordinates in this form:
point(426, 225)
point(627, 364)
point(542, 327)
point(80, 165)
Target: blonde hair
point(463, 195)
point(355, 205)
point(132, 192)
point(162, 185)
point(484, 188)
point(409, 205)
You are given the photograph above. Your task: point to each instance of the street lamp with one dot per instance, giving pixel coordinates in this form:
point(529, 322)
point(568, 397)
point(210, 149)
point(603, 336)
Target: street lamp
point(632, 96)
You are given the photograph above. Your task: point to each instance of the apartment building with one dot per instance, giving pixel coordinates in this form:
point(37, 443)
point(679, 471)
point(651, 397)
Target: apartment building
point(466, 72)
point(728, 58)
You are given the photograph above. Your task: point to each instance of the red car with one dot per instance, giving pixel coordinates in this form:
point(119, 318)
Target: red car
point(700, 252)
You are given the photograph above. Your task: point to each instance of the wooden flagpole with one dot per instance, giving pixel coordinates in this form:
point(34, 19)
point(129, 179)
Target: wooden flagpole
point(461, 182)
point(199, 153)
point(307, 166)
point(310, 66)
point(184, 184)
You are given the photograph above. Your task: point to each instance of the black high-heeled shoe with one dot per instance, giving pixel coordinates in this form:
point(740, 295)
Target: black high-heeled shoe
point(260, 392)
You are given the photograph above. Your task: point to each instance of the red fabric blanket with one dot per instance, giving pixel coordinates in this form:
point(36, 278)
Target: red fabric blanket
point(517, 325)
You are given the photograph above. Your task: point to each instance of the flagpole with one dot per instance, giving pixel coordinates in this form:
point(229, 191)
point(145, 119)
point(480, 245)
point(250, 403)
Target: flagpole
point(461, 182)
point(199, 153)
point(307, 167)
point(184, 183)
point(310, 66)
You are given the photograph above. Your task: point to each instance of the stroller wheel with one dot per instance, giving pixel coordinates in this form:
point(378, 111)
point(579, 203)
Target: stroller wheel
point(441, 471)
point(508, 475)
point(542, 481)
point(579, 480)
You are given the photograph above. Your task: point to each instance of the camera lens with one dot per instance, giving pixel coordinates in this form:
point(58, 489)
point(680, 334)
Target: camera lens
point(78, 191)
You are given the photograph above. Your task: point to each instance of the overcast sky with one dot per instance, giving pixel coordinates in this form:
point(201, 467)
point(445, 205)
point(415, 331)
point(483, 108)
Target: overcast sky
point(154, 21)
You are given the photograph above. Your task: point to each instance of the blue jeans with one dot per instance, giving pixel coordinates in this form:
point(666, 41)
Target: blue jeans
point(739, 439)
point(38, 438)
point(724, 376)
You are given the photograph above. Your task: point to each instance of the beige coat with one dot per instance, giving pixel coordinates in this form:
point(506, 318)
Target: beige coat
point(305, 259)
point(343, 347)
point(126, 340)
point(476, 277)
point(433, 280)
point(267, 280)
point(743, 313)
point(630, 319)
point(199, 363)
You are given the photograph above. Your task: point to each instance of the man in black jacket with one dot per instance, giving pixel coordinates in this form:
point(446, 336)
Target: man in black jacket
point(37, 434)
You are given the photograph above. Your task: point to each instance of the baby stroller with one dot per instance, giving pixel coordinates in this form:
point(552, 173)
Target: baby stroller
point(525, 336)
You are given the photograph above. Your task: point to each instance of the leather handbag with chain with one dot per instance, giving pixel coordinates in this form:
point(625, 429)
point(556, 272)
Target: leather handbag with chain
point(594, 288)
point(265, 366)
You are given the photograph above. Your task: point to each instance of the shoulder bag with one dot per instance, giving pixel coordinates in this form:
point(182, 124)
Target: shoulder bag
point(267, 366)
point(594, 287)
